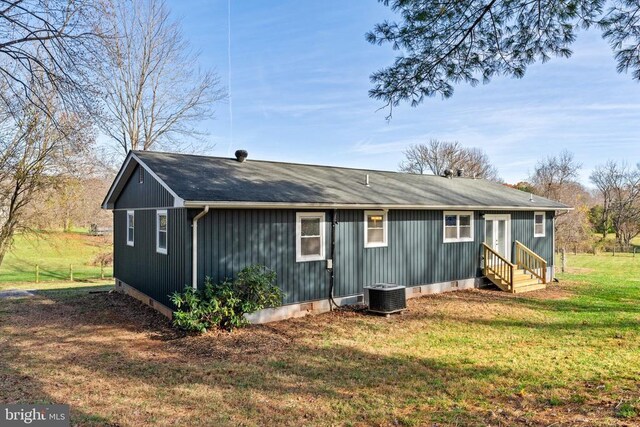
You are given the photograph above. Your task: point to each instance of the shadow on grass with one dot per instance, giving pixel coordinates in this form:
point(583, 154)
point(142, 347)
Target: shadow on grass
point(292, 373)
point(273, 366)
point(19, 387)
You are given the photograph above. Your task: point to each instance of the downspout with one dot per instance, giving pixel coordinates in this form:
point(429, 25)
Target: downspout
point(334, 223)
point(553, 247)
point(194, 247)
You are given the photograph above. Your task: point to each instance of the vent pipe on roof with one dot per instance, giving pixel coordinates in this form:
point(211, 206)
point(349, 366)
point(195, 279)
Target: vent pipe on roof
point(366, 180)
point(448, 173)
point(460, 172)
point(241, 155)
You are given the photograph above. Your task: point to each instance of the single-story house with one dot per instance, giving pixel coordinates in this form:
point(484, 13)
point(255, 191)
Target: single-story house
point(326, 231)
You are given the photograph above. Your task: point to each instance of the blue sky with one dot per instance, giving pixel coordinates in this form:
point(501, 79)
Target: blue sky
point(300, 75)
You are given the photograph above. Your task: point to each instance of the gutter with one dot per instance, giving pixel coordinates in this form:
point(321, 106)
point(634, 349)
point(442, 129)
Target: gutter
point(278, 205)
point(194, 247)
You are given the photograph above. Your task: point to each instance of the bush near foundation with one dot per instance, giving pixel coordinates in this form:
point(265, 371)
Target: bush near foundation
point(224, 305)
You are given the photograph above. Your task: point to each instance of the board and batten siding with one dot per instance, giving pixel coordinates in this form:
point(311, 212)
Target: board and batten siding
point(141, 266)
point(231, 239)
point(522, 231)
point(149, 194)
point(415, 254)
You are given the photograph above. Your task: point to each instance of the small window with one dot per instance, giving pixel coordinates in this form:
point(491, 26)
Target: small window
point(161, 231)
point(538, 225)
point(375, 229)
point(140, 175)
point(309, 236)
point(458, 227)
point(130, 227)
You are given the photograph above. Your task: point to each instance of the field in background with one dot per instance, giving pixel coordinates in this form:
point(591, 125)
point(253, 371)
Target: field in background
point(567, 355)
point(55, 253)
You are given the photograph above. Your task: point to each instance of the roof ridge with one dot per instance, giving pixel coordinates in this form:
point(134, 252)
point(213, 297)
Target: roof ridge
point(279, 162)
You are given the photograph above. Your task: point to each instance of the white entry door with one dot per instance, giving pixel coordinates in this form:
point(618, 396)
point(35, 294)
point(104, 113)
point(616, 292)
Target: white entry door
point(497, 233)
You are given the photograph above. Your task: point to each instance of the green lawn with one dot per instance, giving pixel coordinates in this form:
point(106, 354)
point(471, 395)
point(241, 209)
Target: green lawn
point(567, 355)
point(55, 253)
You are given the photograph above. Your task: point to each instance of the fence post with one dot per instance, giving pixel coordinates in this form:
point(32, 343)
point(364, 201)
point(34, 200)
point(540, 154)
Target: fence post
point(37, 273)
point(563, 257)
point(575, 249)
point(71, 272)
point(102, 269)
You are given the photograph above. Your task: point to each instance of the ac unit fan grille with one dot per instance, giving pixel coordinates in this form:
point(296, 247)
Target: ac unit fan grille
point(387, 301)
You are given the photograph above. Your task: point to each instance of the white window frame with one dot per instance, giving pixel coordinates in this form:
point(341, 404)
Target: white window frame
point(385, 229)
point(544, 224)
point(457, 239)
point(131, 214)
point(305, 258)
point(160, 250)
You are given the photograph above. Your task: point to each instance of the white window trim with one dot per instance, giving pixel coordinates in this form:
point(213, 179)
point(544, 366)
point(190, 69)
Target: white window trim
point(544, 224)
point(458, 238)
point(385, 229)
point(158, 248)
point(132, 213)
point(305, 258)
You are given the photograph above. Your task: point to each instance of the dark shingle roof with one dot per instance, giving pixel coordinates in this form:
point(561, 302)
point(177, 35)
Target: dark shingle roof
point(217, 179)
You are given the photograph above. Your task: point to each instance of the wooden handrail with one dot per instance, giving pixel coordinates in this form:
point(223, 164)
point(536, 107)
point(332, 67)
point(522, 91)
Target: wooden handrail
point(531, 262)
point(499, 266)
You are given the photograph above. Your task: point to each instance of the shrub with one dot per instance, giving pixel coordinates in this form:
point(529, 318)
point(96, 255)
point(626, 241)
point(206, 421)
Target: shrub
point(224, 305)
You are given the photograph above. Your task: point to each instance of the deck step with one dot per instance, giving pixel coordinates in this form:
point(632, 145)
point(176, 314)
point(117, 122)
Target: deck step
point(528, 288)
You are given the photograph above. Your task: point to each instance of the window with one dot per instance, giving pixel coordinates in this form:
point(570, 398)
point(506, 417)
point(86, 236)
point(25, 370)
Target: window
point(140, 175)
point(538, 224)
point(458, 227)
point(375, 229)
point(161, 231)
point(130, 227)
point(309, 236)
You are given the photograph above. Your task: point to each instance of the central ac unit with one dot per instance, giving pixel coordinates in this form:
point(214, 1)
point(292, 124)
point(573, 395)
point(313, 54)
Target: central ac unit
point(386, 298)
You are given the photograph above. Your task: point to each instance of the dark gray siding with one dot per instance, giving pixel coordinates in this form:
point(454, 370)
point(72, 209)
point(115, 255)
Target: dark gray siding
point(149, 194)
point(522, 230)
point(140, 266)
point(232, 239)
point(415, 254)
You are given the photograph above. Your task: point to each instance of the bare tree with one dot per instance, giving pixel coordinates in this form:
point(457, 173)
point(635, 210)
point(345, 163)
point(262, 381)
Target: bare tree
point(32, 146)
point(46, 44)
point(153, 90)
point(552, 173)
point(619, 187)
point(437, 156)
point(554, 177)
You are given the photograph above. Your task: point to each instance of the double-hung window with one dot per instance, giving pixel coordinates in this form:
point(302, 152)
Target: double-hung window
point(458, 227)
point(130, 227)
point(310, 236)
point(375, 229)
point(161, 231)
point(538, 224)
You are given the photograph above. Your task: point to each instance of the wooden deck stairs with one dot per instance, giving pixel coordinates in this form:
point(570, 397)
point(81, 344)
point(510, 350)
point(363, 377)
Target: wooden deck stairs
point(529, 273)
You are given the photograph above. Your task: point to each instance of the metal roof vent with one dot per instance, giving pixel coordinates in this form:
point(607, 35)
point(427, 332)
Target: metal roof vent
point(531, 197)
point(448, 173)
point(366, 180)
point(460, 172)
point(241, 155)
